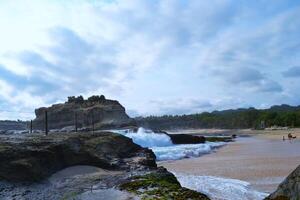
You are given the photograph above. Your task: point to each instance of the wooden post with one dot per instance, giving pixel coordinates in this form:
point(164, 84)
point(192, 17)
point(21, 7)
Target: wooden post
point(76, 125)
point(30, 126)
point(46, 122)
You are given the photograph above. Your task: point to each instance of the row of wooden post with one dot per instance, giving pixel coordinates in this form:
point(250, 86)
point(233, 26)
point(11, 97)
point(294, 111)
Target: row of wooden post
point(75, 123)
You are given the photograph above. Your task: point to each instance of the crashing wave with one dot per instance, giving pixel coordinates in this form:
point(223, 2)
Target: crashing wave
point(163, 147)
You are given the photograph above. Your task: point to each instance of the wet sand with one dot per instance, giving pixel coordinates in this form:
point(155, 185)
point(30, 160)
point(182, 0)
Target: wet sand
point(263, 161)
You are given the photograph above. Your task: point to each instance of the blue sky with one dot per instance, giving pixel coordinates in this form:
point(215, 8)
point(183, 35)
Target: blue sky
point(155, 57)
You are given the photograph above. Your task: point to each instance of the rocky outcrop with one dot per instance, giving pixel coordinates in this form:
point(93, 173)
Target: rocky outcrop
point(34, 158)
point(100, 165)
point(97, 110)
point(160, 184)
point(186, 139)
point(289, 189)
point(183, 138)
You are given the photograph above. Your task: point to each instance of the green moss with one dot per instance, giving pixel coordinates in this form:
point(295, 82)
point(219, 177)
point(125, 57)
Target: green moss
point(161, 187)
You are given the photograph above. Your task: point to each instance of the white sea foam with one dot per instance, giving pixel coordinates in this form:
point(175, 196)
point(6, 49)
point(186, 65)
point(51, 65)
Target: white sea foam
point(184, 150)
point(163, 147)
point(218, 188)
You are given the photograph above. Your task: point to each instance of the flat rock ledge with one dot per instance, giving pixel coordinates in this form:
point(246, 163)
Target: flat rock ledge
point(83, 166)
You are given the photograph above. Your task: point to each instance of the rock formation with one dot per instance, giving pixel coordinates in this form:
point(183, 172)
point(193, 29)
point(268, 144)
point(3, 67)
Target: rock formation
point(186, 139)
point(97, 110)
point(38, 167)
point(183, 138)
point(289, 189)
point(33, 158)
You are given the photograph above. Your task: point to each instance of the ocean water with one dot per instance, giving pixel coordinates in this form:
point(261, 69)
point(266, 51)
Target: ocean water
point(219, 188)
point(163, 147)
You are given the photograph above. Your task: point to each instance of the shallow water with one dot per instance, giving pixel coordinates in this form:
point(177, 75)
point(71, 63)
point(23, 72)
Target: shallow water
point(218, 188)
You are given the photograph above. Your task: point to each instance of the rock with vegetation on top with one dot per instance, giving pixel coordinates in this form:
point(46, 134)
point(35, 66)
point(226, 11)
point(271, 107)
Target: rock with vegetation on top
point(160, 184)
point(289, 189)
point(97, 110)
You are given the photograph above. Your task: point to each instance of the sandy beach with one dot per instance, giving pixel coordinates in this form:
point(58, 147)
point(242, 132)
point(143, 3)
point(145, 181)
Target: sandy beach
point(263, 159)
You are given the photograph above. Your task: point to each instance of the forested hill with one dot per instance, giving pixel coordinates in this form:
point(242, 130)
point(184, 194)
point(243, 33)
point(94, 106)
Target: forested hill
point(283, 115)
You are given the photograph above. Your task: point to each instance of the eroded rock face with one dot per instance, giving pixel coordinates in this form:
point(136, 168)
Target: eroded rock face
point(289, 189)
point(102, 112)
point(82, 166)
point(33, 158)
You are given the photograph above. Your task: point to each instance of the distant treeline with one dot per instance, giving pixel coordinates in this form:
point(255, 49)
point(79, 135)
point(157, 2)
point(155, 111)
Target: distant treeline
point(283, 115)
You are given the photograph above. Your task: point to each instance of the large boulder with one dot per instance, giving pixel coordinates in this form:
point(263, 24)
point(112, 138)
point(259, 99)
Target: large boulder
point(97, 110)
point(33, 158)
point(289, 189)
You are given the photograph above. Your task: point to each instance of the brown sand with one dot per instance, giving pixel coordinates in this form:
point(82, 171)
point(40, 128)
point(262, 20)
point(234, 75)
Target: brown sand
point(263, 160)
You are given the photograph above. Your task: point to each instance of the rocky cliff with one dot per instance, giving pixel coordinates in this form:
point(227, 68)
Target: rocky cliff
point(97, 110)
point(289, 189)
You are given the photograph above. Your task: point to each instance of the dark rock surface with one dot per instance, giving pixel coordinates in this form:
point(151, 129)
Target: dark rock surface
point(33, 158)
point(42, 167)
point(289, 189)
point(183, 138)
point(104, 113)
point(186, 139)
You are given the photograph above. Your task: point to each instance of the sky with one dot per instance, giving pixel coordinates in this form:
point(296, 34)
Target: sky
point(154, 57)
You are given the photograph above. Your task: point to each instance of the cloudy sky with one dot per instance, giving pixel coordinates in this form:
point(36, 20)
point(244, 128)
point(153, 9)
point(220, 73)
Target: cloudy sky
point(155, 57)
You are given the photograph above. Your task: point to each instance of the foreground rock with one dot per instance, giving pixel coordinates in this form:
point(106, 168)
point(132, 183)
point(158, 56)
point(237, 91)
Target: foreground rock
point(289, 189)
point(100, 165)
point(97, 110)
point(36, 157)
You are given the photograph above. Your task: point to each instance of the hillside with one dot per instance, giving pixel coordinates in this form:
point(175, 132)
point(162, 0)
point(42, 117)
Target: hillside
point(280, 115)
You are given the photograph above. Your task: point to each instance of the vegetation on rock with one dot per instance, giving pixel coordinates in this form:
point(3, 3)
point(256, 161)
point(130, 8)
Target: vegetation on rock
point(160, 185)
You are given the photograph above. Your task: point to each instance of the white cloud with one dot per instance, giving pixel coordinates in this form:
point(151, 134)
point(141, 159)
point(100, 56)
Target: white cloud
point(140, 51)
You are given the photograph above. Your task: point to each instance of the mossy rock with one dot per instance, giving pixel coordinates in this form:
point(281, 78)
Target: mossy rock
point(160, 185)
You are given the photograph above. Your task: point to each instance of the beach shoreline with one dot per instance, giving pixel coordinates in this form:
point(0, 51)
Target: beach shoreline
point(263, 159)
